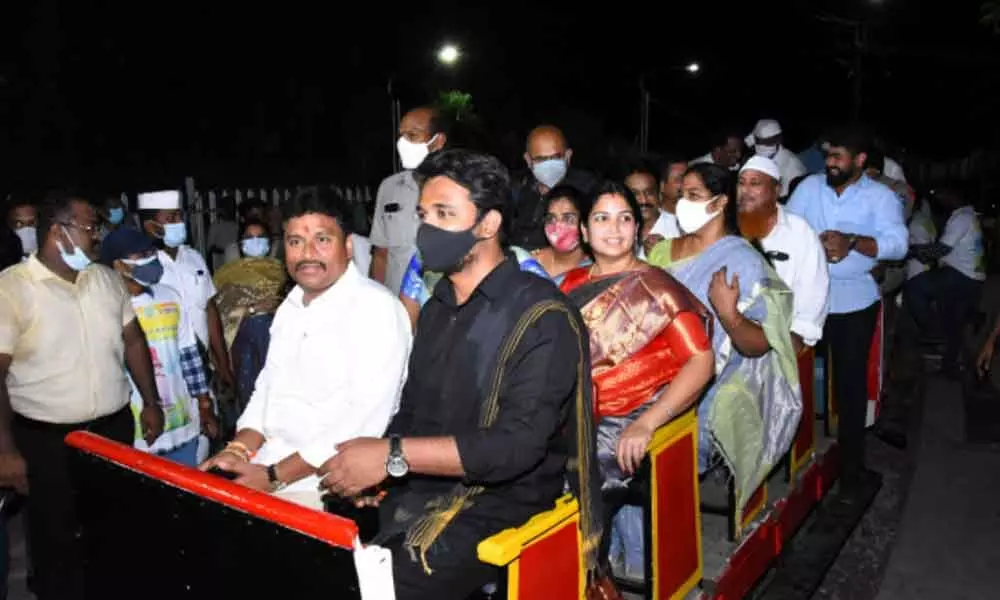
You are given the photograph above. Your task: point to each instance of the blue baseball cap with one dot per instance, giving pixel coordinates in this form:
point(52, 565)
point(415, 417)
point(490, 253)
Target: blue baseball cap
point(123, 242)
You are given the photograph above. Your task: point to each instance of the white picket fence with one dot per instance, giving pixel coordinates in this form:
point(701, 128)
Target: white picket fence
point(201, 205)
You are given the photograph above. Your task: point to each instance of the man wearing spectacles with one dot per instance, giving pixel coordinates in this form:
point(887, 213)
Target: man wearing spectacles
point(66, 328)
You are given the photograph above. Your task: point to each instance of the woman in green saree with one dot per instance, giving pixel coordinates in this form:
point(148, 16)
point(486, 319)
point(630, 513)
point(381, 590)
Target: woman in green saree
point(750, 414)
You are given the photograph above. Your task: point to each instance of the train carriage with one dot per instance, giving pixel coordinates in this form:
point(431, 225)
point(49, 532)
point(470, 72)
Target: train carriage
point(214, 538)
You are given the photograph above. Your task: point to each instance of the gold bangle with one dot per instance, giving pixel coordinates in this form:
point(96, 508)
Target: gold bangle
point(240, 446)
point(236, 453)
point(240, 449)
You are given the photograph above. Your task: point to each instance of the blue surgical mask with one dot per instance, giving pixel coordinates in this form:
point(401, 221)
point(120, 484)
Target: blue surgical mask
point(550, 172)
point(174, 234)
point(255, 246)
point(145, 271)
point(116, 215)
point(76, 260)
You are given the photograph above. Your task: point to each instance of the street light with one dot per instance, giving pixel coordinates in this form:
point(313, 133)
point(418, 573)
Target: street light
point(692, 68)
point(449, 54)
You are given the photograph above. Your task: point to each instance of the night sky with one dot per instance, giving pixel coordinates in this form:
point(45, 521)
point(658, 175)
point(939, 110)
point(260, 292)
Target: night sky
point(141, 94)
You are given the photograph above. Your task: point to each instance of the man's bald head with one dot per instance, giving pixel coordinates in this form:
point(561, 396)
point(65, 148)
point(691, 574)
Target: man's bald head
point(545, 143)
point(546, 139)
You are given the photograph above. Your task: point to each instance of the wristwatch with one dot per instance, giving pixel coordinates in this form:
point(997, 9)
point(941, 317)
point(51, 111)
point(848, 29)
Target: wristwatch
point(272, 477)
point(852, 241)
point(395, 465)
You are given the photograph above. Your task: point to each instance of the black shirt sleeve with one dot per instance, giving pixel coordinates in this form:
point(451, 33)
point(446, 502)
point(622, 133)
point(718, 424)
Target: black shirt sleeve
point(535, 397)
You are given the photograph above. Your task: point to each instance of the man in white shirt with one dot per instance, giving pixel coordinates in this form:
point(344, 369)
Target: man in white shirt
point(954, 287)
point(394, 227)
point(185, 270)
point(767, 141)
point(893, 170)
point(923, 231)
point(336, 364)
point(727, 151)
point(790, 243)
point(672, 171)
point(643, 180)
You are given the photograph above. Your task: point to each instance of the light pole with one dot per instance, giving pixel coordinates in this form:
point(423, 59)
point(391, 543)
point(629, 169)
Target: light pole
point(448, 55)
point(692, 68)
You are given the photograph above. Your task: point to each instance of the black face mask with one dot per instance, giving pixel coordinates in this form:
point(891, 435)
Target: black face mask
point(444, 251)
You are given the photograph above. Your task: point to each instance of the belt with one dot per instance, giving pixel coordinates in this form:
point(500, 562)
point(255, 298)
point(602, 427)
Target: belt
point(64, 428)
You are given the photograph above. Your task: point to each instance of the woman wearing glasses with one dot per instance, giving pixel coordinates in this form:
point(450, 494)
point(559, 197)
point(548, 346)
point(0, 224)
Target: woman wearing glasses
point(564, 207)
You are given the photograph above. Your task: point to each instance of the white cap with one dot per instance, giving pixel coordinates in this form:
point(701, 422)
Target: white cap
point(165, 200)
point(765, 128)
point(764, 165)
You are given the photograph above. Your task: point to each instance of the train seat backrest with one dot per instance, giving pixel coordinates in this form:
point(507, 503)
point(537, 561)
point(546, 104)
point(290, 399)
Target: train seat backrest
point(202, 534)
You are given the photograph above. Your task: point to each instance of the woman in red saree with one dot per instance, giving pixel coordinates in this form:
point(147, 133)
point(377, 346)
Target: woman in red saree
point(650, 349)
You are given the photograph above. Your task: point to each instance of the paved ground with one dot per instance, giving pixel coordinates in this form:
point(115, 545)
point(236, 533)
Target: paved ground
point(948, 539)
point(933, 530)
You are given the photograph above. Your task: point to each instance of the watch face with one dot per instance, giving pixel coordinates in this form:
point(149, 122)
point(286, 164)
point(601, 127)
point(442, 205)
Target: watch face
point(396, 466)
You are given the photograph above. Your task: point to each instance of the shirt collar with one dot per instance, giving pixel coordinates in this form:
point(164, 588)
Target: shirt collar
point(406, 179)
point(862, 182)
point(348, 279)
point(779, 224)
point(39, 272)
point(492, 286)
point(782, 217)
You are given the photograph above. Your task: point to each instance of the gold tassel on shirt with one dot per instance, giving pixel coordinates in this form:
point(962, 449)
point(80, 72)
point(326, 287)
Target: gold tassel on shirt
point(426, 530)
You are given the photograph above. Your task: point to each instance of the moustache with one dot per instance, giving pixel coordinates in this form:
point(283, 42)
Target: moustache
point(309, 263)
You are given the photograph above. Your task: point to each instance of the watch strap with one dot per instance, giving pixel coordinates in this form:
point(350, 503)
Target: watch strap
point(272, 477)
point(395, 446)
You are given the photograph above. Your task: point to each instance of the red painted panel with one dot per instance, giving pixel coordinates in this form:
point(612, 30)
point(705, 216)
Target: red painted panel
point(874, 373)
point(829, 469)
point(753, 557)
point(748, 563)
point(806, 434)
point(676, 533)
point(794, 508)
point(326, 527)
point(550, 569)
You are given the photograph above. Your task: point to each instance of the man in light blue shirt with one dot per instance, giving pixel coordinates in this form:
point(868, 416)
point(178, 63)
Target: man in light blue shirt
point(861, 222)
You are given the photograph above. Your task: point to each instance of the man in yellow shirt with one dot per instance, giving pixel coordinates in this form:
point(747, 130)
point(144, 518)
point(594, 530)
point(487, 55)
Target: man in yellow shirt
point(67, 327)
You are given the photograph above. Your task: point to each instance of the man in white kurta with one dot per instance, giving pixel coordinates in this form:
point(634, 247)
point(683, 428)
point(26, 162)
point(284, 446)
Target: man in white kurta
point(792, 246)
point(767, 141)
point(335, 366)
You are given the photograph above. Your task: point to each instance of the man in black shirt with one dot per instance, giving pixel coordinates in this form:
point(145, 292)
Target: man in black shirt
point(495, 415)
point(548, 157)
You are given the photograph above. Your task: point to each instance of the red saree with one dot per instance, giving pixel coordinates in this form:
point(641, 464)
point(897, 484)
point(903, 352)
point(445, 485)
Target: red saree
point(644, 326)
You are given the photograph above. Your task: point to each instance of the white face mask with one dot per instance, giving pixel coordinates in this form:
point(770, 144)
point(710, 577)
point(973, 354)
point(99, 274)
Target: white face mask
point(411, 154)
point(29, 239)
point(692, 216)
point(767, 151)
point(550, 172)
